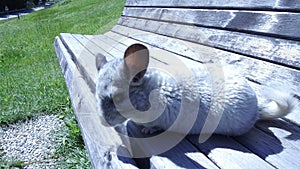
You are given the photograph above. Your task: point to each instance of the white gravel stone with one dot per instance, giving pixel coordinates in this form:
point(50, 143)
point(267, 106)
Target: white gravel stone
point(32, 141)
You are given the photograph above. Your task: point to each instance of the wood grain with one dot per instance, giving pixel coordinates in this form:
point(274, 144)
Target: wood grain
point(287, 5)
point(94, 134)
point(183, 155)
point(227, 153)
point(256, 70)
point(279, 51)
point(286, 132)
point(277, 24)
point(278, 151)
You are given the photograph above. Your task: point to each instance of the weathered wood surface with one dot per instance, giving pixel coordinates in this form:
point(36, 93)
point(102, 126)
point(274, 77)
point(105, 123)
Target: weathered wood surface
point(70, 40)
point(259, 71)
point(258, 39)
point(174, 155)
point(177, 157)
point(286, 5)
point(95, 135)
point(259, 47)
point(272, 145)
point(277, 24)
point(236, 148)
point(254, 140)
point(227, 153)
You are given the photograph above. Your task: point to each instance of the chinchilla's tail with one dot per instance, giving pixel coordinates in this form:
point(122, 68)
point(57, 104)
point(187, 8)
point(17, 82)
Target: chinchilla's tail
point(283, 103)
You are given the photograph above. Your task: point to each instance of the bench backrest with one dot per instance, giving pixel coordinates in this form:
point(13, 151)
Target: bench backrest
point(260, 38)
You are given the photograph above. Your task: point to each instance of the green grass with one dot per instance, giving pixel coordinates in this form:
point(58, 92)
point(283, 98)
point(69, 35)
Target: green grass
point(31, 82)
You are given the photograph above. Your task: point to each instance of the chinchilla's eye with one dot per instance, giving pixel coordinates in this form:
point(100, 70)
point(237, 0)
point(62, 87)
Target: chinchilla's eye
point(118, 98)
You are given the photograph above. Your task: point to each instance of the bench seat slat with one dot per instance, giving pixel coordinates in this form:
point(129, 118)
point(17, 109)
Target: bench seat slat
point(107, 45)
point(255, 22)
point(94, 134)
point(182, 156)
point(277, 150)
point(94, 47)
point(79, 54)
point(260, 47)
point(286, 131)
point(176, 157)
point(290, 5)
point(259, 71)
point(227, 153)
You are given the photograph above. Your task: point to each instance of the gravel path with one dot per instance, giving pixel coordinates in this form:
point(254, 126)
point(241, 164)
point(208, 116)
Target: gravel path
point(32, 141)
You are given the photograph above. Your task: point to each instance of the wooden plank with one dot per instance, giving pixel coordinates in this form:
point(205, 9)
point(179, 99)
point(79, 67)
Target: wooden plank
point(79, 55)
point(294, 117)
point(258, 71)
point(256, 22)
point(285, 52)
point(94, 134)
point(83, 47)
point(288, 133)
point(94, 45)
point(116, 43)
point(183, 155)
point(107, 45)
point(276, 150)
point(227, 153)
point(289, 5)
point(88, 42)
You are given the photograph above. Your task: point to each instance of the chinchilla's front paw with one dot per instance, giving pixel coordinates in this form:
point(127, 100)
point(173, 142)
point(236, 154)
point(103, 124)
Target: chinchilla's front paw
point(150, 130)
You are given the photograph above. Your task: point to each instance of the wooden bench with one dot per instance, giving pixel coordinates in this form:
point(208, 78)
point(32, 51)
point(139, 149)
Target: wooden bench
point(260, 39)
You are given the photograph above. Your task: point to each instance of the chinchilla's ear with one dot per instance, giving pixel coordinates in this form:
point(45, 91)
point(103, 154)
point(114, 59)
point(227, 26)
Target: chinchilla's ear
point(100, 61)
point(136, 60)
